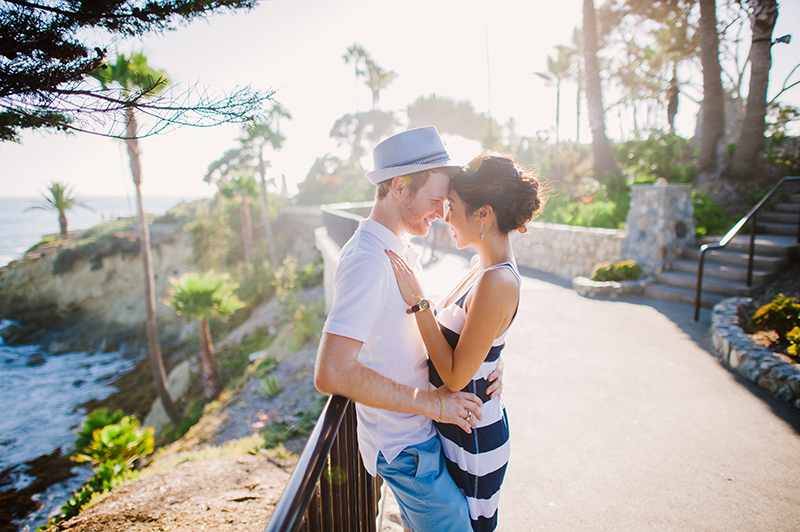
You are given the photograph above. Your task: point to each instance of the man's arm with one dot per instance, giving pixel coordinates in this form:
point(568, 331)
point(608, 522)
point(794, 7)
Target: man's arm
point(338, 372)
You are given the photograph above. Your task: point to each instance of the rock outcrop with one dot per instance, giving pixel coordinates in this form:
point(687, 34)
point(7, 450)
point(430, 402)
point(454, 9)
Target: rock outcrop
point(103, 286)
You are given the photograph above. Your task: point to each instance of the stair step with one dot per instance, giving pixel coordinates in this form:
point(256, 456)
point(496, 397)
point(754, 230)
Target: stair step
point(769, 263)
point(794, 197)
point(730, 272)
point(772, 245)
point(777, 228)
point(712, 285)
point(789, 218)
point(676, 294)
point(787, 207)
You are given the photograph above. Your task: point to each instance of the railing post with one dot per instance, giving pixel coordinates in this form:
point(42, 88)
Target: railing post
point(699, 290)
point(751, 249)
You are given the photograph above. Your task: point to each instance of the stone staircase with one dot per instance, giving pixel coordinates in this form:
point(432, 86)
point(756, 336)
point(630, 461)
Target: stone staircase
point(725, 270)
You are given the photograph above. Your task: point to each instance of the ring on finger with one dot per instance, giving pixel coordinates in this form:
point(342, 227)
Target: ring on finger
point(469, 416)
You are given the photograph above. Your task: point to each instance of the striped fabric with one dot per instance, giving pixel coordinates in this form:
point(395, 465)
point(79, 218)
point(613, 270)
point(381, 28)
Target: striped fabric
point(477, 462)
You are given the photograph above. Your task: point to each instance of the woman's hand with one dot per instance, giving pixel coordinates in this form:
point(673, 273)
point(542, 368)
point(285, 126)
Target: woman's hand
point(496, 379)
point(406, 280)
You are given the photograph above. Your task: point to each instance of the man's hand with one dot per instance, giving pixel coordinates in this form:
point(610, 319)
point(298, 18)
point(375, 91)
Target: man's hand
point(496, 379)
point(460, 408)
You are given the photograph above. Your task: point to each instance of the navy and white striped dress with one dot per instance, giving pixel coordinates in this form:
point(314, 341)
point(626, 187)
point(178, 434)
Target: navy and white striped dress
point(477, 462)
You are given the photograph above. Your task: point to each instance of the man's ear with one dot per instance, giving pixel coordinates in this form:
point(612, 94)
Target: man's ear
point(398, 186)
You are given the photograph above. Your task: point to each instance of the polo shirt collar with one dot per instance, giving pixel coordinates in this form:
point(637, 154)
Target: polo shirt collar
point(393, 242)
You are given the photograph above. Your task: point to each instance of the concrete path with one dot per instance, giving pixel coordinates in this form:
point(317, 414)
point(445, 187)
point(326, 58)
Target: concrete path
point(622, 420)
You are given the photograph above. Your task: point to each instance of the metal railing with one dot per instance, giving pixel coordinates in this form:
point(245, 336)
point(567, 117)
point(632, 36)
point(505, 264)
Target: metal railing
point(329, 490)
point(752, 218)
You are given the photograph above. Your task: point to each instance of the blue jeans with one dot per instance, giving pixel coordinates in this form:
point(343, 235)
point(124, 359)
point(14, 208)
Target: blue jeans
point(429, 500)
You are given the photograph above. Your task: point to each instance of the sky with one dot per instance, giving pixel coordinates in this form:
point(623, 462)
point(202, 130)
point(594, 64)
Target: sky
point(484, 51)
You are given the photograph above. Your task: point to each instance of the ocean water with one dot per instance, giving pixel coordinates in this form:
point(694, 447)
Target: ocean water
point(40, 398)
point(21, 228)
point(41, 392)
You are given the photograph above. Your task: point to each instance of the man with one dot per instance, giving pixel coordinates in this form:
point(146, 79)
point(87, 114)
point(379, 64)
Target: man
point(371, 350)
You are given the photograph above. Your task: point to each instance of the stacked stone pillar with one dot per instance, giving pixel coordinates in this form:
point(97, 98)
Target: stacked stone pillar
point(659, 225)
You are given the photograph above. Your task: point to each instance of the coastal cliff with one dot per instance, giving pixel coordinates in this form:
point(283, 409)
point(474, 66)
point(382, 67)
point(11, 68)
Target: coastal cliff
point(100, 284)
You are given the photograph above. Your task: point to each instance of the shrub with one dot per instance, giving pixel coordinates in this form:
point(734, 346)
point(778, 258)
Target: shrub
point(97, 419)
point(710, 218)
point(112, 450)
point(781, 315)
point(624, 270)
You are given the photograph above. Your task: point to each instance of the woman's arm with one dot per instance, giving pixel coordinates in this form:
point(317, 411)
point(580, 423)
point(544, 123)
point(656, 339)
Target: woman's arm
point(490, 311)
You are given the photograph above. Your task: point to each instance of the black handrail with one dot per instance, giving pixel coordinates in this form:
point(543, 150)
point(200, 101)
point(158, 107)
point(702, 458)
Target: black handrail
point(751, 217)
point(329, 490)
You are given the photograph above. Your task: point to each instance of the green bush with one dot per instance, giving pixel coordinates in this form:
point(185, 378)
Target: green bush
point(97, 419)
point(624, 270)
point(661, 154)
point(710, 219)
point(112, 450)
point(781, 315)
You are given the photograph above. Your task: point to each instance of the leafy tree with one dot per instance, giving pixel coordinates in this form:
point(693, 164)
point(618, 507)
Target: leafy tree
point(448, 115)
point(135, 77)
point(48, 49)
point(362, 131)
point(60, 199)
point(242, 188)
point(746, 157)
point(201, 296)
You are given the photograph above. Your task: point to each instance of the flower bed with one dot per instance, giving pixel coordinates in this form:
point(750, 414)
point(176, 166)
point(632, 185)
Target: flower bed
point(609, 289)
point(756, 363)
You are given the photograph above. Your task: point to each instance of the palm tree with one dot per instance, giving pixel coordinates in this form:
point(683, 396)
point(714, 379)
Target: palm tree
point(558, 69)
point(242, 188)
point(358, 55)
point(136, 79)
point(604, 162)
point(258, 136)
point(712, 109)
point(377, 80)
point(60, 199)
point(201, 296)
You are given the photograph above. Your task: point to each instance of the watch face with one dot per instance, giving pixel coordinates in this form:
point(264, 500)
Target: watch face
point(424, 304)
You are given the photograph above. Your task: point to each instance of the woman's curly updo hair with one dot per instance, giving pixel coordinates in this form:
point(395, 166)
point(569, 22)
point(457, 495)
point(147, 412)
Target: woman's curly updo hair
point(501, 181)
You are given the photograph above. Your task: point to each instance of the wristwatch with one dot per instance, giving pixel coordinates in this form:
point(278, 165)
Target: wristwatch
point(422, 306)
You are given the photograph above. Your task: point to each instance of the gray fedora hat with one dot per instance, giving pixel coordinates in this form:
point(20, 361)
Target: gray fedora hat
point(411, 151)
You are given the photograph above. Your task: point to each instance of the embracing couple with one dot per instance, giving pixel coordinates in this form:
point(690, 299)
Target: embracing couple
point(424, 376)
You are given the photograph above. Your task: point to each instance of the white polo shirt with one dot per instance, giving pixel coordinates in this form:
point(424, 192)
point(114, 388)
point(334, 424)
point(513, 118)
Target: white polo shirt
point(367, 306)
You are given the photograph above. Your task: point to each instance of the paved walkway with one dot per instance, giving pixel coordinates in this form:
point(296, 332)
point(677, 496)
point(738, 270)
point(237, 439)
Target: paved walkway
point(622, 420)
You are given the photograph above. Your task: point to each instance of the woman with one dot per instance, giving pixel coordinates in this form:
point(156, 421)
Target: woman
point(491, 197)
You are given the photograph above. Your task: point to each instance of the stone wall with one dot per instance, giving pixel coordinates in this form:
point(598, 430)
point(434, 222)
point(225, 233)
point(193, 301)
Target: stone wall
point(566, 250)
point(755, 363)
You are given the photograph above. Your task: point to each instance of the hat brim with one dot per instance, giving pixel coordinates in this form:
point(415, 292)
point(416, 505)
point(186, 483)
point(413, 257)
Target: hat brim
point(376, 176)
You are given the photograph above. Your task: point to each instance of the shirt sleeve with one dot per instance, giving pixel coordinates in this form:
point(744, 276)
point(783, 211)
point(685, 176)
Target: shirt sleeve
point(359, 297)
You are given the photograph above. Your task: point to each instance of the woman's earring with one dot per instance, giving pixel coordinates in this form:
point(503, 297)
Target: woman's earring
point(481, 232)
